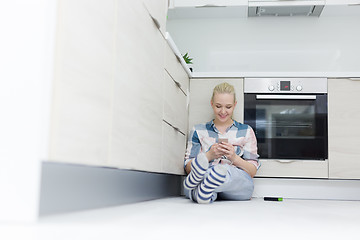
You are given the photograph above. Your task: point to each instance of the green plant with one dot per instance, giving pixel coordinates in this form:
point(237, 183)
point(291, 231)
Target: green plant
point(187, 59)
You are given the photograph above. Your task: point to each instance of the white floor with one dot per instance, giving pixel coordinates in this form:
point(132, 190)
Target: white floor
point(178, 218)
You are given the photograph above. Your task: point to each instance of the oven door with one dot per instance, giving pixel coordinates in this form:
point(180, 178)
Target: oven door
point(288, 126)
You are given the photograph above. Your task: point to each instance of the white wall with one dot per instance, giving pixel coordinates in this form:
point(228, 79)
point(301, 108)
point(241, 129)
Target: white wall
point(27, 38)
point(281, 44)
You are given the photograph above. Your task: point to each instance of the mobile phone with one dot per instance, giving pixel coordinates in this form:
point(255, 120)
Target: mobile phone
point(224, 140)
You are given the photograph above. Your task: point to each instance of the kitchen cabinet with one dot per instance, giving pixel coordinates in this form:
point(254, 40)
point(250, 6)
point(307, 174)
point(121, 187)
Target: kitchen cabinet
point(200, 3)
point(158, 12)
point(175, 113)
point(173, 150)
point(175, 105)
point(200, 110)
point(116, 103)
point(344, 130)
point(81, 107)
point(175, 69)
point(293, 168)
point(137, 91)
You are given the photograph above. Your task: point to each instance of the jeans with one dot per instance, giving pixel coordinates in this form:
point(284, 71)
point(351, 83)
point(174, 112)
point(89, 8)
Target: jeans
point(238, 186)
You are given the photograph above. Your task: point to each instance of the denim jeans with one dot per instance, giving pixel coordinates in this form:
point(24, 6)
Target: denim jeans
point(238, 186)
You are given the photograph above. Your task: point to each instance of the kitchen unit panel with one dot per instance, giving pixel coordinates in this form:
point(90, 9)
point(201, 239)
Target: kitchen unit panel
point(175, 69)
point(200, 110)
point(293, 168)
point(175, 108)
point(158, 11)
point(82, 85)
point(344, 130)
point(137, 111)
point(173, 150)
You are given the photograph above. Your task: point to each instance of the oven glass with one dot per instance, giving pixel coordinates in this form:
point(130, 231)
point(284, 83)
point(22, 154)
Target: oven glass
point(288, 128)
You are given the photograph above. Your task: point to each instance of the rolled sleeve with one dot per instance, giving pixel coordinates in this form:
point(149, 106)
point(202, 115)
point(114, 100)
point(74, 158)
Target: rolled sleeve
point(193, 147)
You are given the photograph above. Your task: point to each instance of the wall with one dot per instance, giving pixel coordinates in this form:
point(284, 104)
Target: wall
point(281, 44)
point(27, 37)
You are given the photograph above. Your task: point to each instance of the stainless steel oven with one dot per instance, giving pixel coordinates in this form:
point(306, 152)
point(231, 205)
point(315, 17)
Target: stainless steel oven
point(289, 117)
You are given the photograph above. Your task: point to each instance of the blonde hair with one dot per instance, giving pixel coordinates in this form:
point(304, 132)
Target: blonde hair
point(223, 88)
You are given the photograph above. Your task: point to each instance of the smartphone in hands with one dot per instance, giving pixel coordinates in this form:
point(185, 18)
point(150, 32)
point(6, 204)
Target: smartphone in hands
point(223, 140)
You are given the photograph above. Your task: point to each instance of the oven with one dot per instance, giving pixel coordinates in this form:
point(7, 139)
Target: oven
point(289, 117)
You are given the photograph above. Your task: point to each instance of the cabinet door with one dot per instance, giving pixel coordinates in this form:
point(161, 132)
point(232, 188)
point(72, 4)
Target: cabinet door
point(199, 3)
point(158, 11)
point(82, 86)
point(175, 69)
point(293, 168)
point(173, 150)
point(200, 110)
point(175, 108)
point(137, 90)
point(344, 128)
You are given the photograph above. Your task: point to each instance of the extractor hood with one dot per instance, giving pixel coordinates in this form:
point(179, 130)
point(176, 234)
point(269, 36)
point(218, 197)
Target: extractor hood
point(260, 8)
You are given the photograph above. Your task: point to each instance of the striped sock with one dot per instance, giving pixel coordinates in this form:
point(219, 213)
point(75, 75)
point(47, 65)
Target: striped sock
point(198, 169)
point(212, 181)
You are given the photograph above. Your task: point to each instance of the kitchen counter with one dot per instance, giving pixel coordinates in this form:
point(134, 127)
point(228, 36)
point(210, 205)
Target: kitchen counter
point(354, 75)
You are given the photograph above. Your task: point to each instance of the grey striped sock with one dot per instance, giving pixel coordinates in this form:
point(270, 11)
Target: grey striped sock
point(198, 169)
point(212, 181)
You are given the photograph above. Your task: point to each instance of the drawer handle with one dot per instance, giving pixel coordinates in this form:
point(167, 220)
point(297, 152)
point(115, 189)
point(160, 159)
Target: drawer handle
point(285, 161)
point(177, 84)
point(156, 22)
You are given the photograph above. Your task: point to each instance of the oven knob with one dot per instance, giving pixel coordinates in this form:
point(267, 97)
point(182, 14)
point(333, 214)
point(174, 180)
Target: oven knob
point(271, 88)
point(299, 88)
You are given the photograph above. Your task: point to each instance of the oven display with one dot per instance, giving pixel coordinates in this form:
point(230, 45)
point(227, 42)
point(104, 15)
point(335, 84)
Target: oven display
point(284, 85)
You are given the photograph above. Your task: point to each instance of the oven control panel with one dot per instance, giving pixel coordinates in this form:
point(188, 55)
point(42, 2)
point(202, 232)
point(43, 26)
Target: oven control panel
point(285, 85)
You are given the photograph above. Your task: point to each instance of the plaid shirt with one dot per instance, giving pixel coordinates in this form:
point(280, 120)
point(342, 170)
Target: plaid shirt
point(241, 136)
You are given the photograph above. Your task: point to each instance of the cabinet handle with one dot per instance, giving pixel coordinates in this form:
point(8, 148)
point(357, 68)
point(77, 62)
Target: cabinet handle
point(210, 6)
point(175, 128)
point(156, 22)
point(354, 79)
point(285, 161)
point(177, 84)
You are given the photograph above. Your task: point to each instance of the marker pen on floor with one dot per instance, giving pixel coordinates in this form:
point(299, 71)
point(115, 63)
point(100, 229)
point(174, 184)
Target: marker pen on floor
point(275, 199)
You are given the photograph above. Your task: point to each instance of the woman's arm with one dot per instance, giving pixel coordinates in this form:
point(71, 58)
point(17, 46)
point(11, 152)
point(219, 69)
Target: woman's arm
point(245, 165)
point(229, 151)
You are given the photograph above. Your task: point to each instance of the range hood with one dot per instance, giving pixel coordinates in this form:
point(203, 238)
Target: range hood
point(260, 8)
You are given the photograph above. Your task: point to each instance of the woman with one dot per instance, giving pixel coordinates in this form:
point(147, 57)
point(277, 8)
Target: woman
point(221, 158)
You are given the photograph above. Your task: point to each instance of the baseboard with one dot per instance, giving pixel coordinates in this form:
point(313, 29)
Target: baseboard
point(70, 187)
point(324, 189)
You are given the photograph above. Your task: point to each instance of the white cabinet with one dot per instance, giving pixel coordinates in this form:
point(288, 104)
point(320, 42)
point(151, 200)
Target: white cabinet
point(175, 114)
point(344, 128)
point(173, 150)
point(113, 91)
point(199, 3)
point(175, 106)
point(137, 91)
point(175, 69)
point(81, 107)
point(293, 168)
point(200, 110)
point(158, 11)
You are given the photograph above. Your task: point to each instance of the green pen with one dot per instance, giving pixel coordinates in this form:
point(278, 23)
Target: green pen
point(275, 199)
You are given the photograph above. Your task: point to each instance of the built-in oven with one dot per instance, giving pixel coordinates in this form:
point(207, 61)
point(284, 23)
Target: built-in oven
point(289, 117)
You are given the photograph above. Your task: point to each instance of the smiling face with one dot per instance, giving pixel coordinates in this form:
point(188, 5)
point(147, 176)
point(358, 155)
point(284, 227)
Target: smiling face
point(223, 105)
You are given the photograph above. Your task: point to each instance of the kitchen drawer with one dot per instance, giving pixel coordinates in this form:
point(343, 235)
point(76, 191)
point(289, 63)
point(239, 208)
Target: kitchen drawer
point(158, 12)
point(175, 69)
point(173, 150)
point(293, 168)
point(175, 107)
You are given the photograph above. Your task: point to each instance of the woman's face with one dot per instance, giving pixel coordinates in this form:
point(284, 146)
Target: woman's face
point(223, 106)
